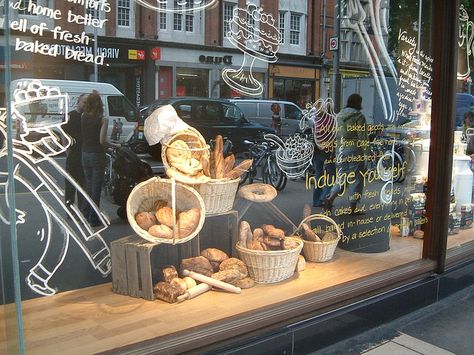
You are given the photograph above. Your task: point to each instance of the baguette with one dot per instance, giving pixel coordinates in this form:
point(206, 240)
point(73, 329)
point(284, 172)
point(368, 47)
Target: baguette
point(239, 169)
point(229, 163)
point(219, 157)
point(206, 165)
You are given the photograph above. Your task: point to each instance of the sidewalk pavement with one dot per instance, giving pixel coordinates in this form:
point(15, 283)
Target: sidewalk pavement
point(446, 327)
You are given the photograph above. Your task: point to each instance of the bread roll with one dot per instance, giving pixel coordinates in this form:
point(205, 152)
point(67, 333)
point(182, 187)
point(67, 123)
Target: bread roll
point(229, 162)
point(167, 292)
point(219, 157)
point(329, 236)
point(180, 283)
point(190, 282)
point(177, 152)
point(239, 169)
point(161, 231)
point(165, 216)
point(187, 222)
point(256, 245)
point(158, 204)
point(290, 244)
point(145, 220)
point(258, 234)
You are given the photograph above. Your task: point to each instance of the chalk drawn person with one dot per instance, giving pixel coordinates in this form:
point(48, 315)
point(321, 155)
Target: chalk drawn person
point(34, 170)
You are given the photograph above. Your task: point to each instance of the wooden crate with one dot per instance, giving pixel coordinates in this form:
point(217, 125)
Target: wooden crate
point(220, 231)
point(135, 260)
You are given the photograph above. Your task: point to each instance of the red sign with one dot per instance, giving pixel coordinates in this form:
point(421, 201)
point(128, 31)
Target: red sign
point(141, 54)
point(155, 53)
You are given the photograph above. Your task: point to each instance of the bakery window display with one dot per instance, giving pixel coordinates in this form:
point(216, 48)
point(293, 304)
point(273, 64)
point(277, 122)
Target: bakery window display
point(269, 254)
point(165, 211)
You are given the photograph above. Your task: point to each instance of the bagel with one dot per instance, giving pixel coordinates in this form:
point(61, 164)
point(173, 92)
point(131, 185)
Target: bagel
point(258, 192)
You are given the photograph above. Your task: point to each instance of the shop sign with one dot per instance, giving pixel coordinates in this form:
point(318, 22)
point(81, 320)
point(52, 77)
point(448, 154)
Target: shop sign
point(136, 54)
point(209, 59)
point(155, 53)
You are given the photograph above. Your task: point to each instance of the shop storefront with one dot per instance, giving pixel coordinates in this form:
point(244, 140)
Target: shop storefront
point(300, 85)
point(203, 265)
point(194, 72)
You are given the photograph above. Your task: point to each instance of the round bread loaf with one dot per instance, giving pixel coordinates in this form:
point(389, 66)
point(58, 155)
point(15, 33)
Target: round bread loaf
point(236, 264)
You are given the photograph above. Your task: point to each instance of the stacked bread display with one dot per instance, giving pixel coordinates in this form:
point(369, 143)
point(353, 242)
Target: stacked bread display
point(160, 222)
point(213, 268)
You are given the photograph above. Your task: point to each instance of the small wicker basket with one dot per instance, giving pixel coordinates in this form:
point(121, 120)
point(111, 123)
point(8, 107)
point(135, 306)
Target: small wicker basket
point(270, 266)
point(181, 197)
point(320, 252)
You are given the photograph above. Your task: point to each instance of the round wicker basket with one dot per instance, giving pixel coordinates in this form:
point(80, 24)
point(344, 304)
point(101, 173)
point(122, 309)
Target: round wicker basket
point(179, 197)
point(218, 194)
point(319, 252)
point(272, 265)
point(195, 141)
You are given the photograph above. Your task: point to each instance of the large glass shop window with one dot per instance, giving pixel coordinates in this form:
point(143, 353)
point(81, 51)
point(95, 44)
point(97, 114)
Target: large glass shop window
point(461, 208)
point(89, 223)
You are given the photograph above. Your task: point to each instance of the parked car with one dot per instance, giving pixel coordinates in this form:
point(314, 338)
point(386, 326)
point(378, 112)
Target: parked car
point(258, 110)
point(212, 117)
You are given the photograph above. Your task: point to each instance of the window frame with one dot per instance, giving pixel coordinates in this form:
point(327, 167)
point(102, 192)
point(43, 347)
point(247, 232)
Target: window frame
point(127, 15)
point(295, 28)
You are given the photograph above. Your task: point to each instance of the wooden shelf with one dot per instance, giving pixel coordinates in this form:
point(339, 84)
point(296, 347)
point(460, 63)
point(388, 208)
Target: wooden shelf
point(95, 319)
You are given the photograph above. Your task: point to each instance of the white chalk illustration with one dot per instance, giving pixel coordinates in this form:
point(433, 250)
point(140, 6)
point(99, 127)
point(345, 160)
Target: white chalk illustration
point(377, 56)
point(323, 118)
point(39, 112)
point(465, 42)
point(176, 6)
point(254, 33)
point(294, 155)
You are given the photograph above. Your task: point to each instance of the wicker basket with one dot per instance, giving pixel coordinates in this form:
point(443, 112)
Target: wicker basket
point(192, 137)
point(218, 195)
point(319, 252)
point(180, 196)
point(270, 266)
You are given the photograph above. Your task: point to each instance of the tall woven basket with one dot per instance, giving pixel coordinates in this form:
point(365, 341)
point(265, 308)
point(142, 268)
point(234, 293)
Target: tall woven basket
point(218, 194)
point(179, 197)
point(319, 252)
point(272, 265)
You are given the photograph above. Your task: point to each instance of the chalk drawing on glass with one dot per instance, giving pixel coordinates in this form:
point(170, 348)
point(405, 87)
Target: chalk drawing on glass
point(465, 41)
point(294, 155)
point(377, 55)
point(38, 112)
point(254, 33)
point(322, 119)
point(180, 6)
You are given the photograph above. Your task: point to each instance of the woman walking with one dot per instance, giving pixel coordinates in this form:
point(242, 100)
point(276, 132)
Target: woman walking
point(94, 141)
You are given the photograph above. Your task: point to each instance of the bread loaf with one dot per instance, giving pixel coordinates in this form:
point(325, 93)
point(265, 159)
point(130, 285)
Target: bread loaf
point(256, 245)
point(230, 276)
point(177, 152)
point(239, 169)
point(189, 167)
point(270, 230)
point(197, 264)
point(245, 233)
point(188, 221)
point(190, 282)
point(158, 204)
point(219, 157)
point(229, 162)
point(258, 234)
point(301, 264)
point(161, 231)
point(215, 257)
point(145, 220)
point(290, 244)
point(167, 292)
point(234, 264)
point(206, 164)
point(329, 236)
point(185, 178)
point(246, 282)
point(309, 234)
point(168, 273)
point(164, 215)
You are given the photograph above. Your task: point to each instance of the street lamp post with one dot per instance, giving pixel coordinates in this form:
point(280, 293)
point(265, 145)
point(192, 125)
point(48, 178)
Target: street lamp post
point(336, 54)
